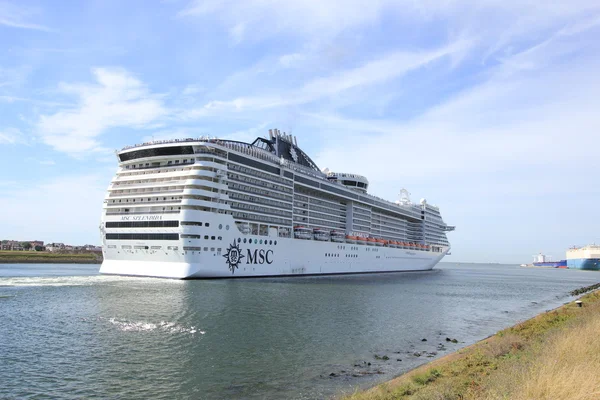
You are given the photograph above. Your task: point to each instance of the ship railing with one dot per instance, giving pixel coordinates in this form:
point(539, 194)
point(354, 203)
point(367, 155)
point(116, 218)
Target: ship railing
point(169, 141)
point(143, 212)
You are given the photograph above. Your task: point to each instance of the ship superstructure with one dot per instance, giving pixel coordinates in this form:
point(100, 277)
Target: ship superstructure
point(207, 208)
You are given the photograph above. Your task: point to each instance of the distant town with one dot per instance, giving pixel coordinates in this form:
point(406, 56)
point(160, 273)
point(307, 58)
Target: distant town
point(38, 245)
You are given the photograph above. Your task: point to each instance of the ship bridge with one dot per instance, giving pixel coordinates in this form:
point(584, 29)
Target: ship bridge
point(352, 181)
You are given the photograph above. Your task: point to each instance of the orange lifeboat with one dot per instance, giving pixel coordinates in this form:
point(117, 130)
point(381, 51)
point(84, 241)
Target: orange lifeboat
point(351, 239)
point(371, 241)
point(361, 240)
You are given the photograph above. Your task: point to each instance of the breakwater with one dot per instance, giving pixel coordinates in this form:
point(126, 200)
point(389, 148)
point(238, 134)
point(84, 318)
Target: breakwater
point(585, 289)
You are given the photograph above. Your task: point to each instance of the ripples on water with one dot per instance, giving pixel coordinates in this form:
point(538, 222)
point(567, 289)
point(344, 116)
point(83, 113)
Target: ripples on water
point(67, 332)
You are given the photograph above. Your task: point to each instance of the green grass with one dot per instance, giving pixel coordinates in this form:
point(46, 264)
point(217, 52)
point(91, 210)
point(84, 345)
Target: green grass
point(45, 256)
point(503, 366)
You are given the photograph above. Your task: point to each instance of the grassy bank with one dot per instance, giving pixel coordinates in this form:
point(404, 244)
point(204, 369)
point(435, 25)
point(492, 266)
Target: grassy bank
point(43, 257)
point(555, 355)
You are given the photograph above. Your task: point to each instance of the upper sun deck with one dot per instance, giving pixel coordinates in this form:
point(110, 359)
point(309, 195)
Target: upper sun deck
point(170, 141)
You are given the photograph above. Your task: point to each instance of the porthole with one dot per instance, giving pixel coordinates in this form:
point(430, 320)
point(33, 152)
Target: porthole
point(270, 242)
point(244, 240)
point(260, 241)
point(239, 240)
point(226, 227)
point(275, 242)
point(220, 226)
point(255, 241)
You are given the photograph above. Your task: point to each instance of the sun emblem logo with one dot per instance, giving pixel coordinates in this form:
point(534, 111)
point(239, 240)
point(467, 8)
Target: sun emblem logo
point(233, 256)
point(294, 154)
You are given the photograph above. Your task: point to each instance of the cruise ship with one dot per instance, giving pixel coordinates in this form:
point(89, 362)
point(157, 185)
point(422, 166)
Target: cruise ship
point(214, 208)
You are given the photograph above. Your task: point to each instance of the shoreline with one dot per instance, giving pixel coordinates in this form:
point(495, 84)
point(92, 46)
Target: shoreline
point(42, 257)
point(503, 365)
point(65, 260)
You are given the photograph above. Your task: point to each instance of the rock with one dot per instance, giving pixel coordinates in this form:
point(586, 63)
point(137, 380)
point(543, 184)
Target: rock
point(385, 358)
point(333, 374)
point(448, 339)
point(398, 359)
point(454, 341)
point(423, 340)
point(368, 363)
point(417, 354)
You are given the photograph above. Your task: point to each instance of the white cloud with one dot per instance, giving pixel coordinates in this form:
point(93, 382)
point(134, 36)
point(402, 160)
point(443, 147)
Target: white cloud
point(18, 17)
point(292, 59)
point(10, 136)
point(264, 18)
point(496, 23)
point(118, 99)
point(389, 67)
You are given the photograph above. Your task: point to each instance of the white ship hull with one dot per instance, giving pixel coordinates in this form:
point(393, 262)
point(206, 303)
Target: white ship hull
point(265, 258)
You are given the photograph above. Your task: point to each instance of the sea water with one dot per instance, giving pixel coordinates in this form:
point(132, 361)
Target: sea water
point(68, 333)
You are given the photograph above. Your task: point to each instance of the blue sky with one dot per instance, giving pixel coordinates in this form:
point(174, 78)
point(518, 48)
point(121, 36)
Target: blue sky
point(489, 109)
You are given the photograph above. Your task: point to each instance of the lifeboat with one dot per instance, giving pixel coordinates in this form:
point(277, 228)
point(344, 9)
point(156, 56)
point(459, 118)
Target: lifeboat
point(302, 232)
point(338, 236)
point(361, 239)
point(392, 243)
point(351, 239)
point(379, 242)
point(321, 235)
point(371, 241)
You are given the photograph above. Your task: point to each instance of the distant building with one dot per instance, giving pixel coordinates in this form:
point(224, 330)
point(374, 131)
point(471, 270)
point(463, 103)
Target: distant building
point(91, 247)
point(17, 245)
point(55, 246)
point(36, 243)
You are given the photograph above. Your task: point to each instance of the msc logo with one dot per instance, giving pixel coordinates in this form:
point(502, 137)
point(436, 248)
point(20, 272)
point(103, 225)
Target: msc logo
point(259, 256)
point(234, 256)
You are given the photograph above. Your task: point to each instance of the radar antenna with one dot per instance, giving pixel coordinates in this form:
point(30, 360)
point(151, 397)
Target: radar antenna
point(404, 196)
